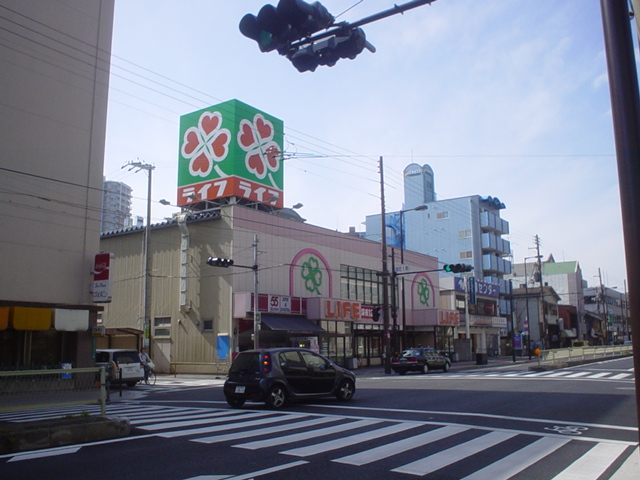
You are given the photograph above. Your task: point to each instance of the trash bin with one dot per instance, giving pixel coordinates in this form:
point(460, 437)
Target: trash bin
point(453, 356)
point(481, 359)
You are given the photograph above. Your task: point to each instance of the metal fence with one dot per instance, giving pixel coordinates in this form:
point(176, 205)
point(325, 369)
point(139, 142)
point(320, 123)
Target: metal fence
point(574, 354)
point(21, 390)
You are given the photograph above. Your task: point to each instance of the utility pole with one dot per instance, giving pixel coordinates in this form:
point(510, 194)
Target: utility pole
point(385, 280)
point(545, 336)
point(394, 302)
point(256, 313)
point(605, 314)
point(146, 278)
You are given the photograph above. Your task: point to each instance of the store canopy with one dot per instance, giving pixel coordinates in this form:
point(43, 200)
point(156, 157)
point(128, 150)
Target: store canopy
point(29, 318)
point(71, 320)
point(290, 323)
point(4, 318)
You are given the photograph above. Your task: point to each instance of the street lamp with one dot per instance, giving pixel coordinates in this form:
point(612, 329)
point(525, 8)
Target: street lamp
point(146, 279)
point(402, 239)
point(402, 242)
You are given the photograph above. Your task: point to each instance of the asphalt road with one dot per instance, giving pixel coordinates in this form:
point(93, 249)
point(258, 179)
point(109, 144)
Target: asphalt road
point(493, 424)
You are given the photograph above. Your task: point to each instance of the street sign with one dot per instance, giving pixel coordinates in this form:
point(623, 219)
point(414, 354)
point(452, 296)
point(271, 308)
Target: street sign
point(472, 290)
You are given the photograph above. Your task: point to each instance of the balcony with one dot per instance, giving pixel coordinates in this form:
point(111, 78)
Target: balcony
point(492, 223)
point(496, 244)
point(493, 263)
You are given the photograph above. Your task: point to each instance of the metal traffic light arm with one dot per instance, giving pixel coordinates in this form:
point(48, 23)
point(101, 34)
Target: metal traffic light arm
point(340, 28)
point(420, 271)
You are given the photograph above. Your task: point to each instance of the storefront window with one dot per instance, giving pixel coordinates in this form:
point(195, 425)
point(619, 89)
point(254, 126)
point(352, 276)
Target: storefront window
point(360, 284)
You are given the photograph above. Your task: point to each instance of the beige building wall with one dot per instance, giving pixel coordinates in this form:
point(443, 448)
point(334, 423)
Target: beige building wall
point(54, 77)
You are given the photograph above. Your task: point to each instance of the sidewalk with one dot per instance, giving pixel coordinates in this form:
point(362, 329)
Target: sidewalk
point(521, 363)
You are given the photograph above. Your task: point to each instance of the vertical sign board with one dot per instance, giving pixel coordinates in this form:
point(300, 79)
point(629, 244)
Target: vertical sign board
point(472, 290)
point(101, 280)
point(517, 341)
point(230, 150)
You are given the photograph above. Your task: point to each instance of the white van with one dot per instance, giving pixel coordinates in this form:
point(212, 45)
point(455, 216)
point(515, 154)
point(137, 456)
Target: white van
point(121, 365)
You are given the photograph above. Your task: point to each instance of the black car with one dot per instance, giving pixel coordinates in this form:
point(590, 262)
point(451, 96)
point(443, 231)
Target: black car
point(420, 360)
point(277, 375)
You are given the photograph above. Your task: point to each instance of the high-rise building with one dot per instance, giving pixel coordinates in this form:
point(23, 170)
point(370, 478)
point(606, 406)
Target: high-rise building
point(419, 185)
point(116, 206)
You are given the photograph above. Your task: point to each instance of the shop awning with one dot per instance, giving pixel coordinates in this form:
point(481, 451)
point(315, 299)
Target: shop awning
point(66, 320)
point(29, 318)
point(4, 318)
point(290, 323)
point(569, 333)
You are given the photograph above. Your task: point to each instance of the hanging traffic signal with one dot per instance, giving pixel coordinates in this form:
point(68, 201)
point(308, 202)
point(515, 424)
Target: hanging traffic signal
point(275, 28)
point(376, 313)
point(304, 18)
point(219, 262)
point(329, 51)
point(267, 29)
point(457, 268)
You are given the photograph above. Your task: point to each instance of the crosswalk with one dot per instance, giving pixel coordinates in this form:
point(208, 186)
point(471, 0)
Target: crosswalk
point(617, 375)
point(405, 447)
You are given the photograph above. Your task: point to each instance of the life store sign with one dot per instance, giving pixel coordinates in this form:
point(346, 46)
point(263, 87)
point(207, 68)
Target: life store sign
point(230, 150)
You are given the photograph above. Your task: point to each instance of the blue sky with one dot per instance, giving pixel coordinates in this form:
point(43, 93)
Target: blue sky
point(507, 98)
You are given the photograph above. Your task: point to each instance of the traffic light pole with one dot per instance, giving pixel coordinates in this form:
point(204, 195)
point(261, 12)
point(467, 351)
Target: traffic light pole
point(370, 19)
point(625, 105)
point(226, 263)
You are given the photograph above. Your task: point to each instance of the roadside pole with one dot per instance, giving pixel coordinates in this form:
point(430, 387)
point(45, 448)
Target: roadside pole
point(625, 105)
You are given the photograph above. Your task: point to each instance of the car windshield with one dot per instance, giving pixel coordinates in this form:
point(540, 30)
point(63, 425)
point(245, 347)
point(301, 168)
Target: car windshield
point(414, 352)
point(126, 357)
point(246, 363)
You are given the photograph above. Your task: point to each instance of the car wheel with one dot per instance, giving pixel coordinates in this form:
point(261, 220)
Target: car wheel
point(425, 368)
point(235, 402)
point(402, 372)
point(277, 397)
point(346, 390)
point(131, 384)
point(447, 366)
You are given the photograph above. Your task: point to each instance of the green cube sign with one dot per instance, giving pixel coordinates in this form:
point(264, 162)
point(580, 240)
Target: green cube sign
point(230, 150)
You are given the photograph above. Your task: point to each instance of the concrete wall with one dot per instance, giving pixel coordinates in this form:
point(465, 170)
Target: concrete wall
point(54, 76)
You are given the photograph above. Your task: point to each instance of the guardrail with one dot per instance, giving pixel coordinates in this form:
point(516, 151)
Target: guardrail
point(220, 367)
point(25, 389)
point(574, 354)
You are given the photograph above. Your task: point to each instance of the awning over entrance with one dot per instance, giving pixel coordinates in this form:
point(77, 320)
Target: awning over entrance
point(569, 333)
point(290, 323)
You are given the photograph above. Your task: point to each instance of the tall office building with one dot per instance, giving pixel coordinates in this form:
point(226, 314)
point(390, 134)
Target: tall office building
point(419, 185)
point(116, 206)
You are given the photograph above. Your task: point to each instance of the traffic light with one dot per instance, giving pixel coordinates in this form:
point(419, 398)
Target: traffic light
point(457, 268)
point(304, 18)
point(377, 313)
point(329, 51)
point(267, 29)
point(219, 262)
point(276, 28)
